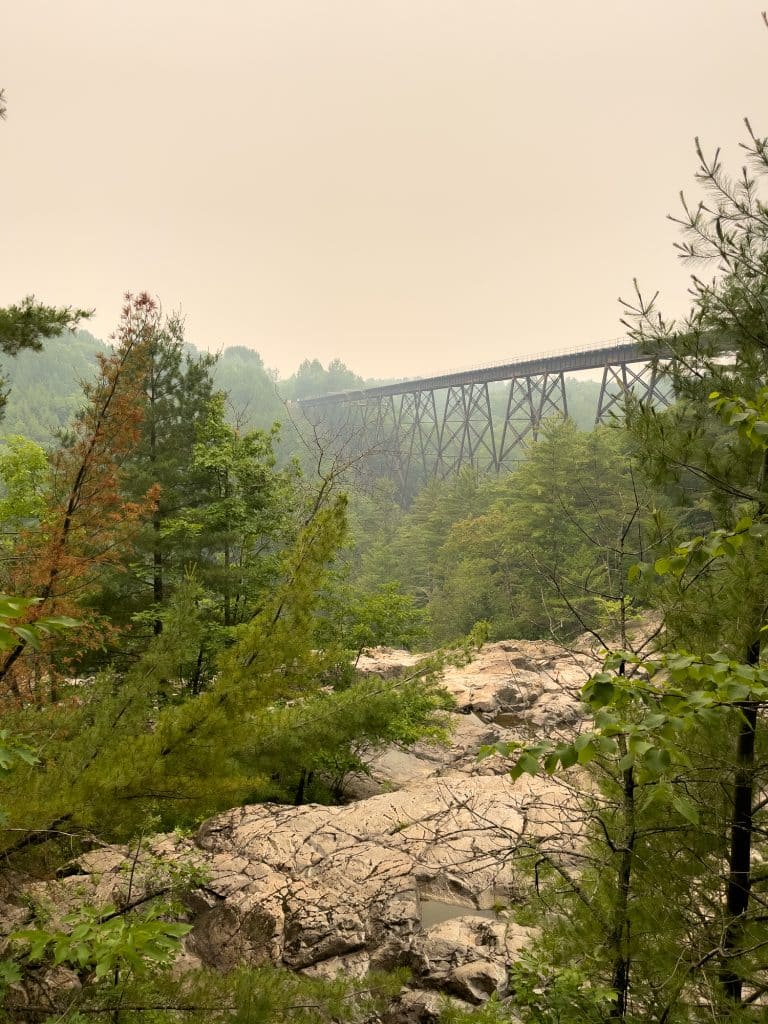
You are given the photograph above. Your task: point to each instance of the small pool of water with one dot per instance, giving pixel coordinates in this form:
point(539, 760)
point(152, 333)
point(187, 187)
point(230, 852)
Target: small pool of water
point(435, 912)
point(508, 719)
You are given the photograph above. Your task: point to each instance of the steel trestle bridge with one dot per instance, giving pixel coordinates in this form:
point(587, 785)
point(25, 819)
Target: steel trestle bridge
point(432, 426)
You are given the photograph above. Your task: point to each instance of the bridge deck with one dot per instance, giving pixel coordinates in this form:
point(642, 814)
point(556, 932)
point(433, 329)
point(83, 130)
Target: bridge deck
point(626, 352)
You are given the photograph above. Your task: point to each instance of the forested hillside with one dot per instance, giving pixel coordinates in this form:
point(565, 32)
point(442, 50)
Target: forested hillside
point(46, 387)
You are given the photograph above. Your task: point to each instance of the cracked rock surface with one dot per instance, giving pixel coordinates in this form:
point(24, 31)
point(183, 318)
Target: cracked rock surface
point(340, 889)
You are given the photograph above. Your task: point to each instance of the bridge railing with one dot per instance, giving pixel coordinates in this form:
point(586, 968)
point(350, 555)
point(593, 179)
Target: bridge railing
point(529, 357)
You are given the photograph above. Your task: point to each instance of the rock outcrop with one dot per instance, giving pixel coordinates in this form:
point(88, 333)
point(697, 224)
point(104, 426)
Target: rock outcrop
point(328, 889)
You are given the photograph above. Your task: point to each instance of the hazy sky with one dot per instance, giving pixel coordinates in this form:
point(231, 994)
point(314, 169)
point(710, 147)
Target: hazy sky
point(409, 185)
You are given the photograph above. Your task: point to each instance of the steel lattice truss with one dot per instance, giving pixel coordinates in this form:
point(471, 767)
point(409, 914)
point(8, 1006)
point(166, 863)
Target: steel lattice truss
point(429, 428)
point(621, 379)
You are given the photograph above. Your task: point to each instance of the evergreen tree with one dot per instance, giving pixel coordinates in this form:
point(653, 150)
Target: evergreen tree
point(177, 390)
point(676, 896)
point(719, 473)
point(531, 553)
point(232, 537)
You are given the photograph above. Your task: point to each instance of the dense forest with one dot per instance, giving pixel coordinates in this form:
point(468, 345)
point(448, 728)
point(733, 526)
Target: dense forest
point(190, 579)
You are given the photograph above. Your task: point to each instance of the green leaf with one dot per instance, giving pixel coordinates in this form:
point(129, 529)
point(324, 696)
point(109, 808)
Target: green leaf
point(30, 636)
point(568, 755)
point(657, 760)
point(639, 747)
point(527, 764)
point(587, 753)
point(660, 793)
point(686, 808)
point(600, 693)
point(733, 691)
point(9, 973)
point(63, 621)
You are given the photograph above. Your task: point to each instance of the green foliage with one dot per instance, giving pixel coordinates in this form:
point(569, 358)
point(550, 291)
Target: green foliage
point(259, 995)
point(253, 400)
point(386, 617)
point(359, 621)
point(25, 475)
point(749, 416)
point(13, 751)
point(26, 325)
point(407, 548)
point(145, 744)
point(124, 963)
point(243, 514)
point(308, 748)
point(534, 553)
point(100, 941)
point(268, 994)
point(569, 994)
point(666, 909)
point(32, 633)
point(175, 391)
point(311, 379)
point(46, 387)
point(494, 1011)
point(224, 514)
point(650, 709)
point(9, 975)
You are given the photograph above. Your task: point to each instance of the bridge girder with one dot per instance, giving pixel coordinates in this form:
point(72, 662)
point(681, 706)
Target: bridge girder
point(430, 428)
point(621, 379)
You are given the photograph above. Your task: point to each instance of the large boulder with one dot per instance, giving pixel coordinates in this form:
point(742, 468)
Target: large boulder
point(340, 889)
point(329, 890)
point(535, 682)
point(467, 956)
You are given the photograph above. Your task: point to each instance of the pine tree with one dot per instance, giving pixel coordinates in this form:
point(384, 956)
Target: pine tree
point(720, 476)
point(687, 726)
point(174, 400)
point(86, 521)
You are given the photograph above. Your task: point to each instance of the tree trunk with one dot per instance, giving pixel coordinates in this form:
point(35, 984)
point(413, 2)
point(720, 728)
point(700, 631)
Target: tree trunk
point(196, 684)
point(298, 798)
point(620, 926)
point(742, 821)
point(742, 828)
point(620, 931)
point(227, 598)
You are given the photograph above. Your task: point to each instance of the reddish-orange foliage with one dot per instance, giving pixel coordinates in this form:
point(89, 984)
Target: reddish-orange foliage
point(88, 524)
